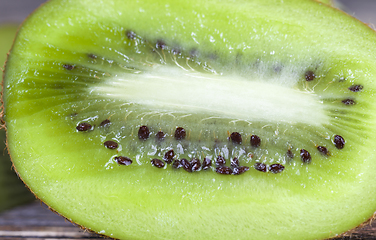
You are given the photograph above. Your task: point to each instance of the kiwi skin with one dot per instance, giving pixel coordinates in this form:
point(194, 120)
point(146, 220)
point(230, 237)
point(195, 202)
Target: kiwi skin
point(13, 192)
point(18, 167)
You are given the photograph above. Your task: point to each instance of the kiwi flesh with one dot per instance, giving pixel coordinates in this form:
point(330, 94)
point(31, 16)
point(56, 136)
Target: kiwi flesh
point(12, 191)
point(196, 119)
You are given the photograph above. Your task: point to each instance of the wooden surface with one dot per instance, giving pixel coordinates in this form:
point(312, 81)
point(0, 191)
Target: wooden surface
point(36, 221)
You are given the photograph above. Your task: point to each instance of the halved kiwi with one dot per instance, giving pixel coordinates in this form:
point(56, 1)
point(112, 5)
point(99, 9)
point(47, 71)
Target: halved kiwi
point(196, 119)
point(12, 191)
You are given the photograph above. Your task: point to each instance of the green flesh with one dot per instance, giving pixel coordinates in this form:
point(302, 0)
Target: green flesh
point(224, 68)
point(12, 191)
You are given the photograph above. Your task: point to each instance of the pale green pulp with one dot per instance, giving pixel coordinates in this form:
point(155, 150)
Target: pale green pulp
point(75, 175)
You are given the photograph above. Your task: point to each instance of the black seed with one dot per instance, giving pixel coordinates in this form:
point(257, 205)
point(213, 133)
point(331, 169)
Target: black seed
point(348, 102)
point(196, 164)
point(92, 56)
point(255, 141)
point(309, 76)
point(276, 168)
point(111, 144)
point(176, 164)
point(176, 51)
point(160, 44)
point(323, 150)
point(206, 163)
point(160, 135)
point(68, 67)
point(186, 165)
point(157, 163)
point(180, 133)
point(130, 35)
point(224, 170)
point(193, 53)
point(169, 155)
point(83, 126)
point(105, 123)
point(289, 154)
point(356, 88)
point(240, 170)
point(220, 161)
point(339, 142)
point(277, 68)
point(260, 167)
point(235, 162)
point(143, 132)
point(123, 160)
point(305, 156)
point(236, 137)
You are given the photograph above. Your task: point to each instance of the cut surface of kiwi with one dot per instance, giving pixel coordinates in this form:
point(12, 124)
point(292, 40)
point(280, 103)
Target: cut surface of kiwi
point(12, 191)
point(196, 119)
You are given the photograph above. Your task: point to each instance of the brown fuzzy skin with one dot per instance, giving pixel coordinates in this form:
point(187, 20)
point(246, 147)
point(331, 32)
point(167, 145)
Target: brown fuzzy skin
point(3, 126)
point(50, 208)
point(357, 229)
point(329, 3)
point(75, 224)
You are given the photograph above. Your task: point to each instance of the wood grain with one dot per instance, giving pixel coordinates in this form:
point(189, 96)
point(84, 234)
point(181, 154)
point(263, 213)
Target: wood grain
point(36, 221)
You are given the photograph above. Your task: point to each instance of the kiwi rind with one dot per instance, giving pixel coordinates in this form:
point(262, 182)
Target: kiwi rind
point(12, 190)
point(280, 178)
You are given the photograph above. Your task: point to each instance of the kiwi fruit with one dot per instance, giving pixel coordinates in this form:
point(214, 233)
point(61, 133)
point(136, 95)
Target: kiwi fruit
point(12, 191)
point(196, 119)
point(330, 2)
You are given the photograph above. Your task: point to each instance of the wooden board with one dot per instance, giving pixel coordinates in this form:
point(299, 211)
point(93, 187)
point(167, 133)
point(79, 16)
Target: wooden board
point(36, 221)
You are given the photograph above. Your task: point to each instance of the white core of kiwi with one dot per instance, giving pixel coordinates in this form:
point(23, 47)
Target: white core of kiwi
point(172, 89)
